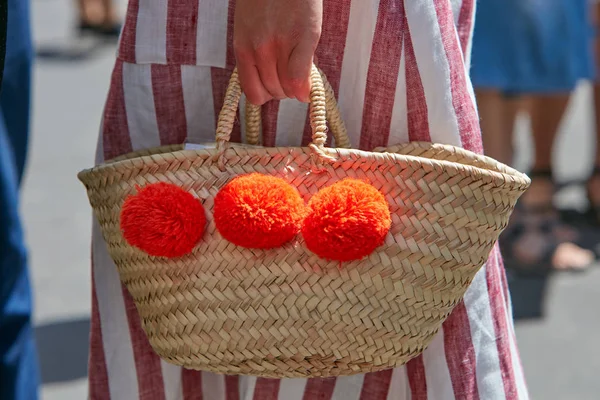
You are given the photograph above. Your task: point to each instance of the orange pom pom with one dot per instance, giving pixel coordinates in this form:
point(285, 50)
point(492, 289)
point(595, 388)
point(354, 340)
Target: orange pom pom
point(163, 220)
point(346, 221)
point(258, 211)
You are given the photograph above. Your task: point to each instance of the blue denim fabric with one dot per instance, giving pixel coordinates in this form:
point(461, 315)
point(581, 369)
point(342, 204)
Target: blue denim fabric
point(532, 46)
point(18, 356)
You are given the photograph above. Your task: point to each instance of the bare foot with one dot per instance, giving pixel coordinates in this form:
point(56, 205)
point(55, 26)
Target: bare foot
point(568, 256)
point(534, 247)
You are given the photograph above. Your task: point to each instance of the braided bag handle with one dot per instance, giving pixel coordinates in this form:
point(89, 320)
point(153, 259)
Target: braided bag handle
point(336, 124)
point(322, 106)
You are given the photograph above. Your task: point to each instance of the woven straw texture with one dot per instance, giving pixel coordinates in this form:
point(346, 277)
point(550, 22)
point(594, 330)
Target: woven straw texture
point(285, 312)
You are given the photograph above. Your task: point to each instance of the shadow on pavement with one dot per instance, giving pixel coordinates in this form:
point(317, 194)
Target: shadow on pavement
point(528, 295)
point(76, 50)
point(63, 350)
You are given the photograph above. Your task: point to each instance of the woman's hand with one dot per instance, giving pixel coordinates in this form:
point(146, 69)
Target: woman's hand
point(274, 43)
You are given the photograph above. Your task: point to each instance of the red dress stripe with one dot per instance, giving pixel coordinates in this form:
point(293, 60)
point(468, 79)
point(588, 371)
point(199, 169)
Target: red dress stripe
point(498, 308)
point(383, 74)
point(266, 389)
point(465, 24)
point(376, 385)
point(182, 26)
point(319, 388)
point(128, 33)
point(191, 382)
point(147, 363)
point(167, 88)
point(232, 387)
point(464, 106)
point(97, 371)
point(415, 370)
point(460, 354)
point(115, 129)
point(416, 102)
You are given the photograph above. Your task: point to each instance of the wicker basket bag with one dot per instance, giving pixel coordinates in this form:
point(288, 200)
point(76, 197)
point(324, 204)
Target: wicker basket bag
point(286, 312)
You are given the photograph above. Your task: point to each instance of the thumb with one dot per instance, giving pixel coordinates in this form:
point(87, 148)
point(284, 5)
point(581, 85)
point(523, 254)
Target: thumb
point(299, 67)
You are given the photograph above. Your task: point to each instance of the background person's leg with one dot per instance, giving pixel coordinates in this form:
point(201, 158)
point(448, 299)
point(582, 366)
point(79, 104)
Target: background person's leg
point(98, 17)
point(498, 114)
point(547, 112)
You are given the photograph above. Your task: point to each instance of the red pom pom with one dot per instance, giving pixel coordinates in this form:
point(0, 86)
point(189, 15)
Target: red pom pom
point(258, 211)
point(163, 220)
point(346, 221)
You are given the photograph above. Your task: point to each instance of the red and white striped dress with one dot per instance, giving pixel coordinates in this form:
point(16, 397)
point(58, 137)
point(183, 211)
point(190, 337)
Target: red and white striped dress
point(400, 70)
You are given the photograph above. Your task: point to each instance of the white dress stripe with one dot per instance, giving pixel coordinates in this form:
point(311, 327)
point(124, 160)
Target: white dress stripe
point(292, 389)
point(118, 350)
point(198, 102)
point(172, 380)
point(151, 32)
point(399, 386)
point(247, 385)
point(470, 45)
point(290, 122)
point(434, 70)
point(348, 387)
point(211, 36)
point(355, 67)
point(437, 375)
point(483, 336)
point(139, 106)
point(399, 123)
point(456, 6)
point(213, 386)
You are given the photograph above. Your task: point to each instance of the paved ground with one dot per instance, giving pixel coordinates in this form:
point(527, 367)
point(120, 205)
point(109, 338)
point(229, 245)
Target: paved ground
point(556, 322)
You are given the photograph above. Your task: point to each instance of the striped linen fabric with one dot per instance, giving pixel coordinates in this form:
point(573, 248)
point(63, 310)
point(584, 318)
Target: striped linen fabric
point(400, 71)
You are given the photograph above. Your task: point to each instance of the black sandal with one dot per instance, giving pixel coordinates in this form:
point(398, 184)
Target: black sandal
point(592, 214)
point(110, 32)
point(534, 228)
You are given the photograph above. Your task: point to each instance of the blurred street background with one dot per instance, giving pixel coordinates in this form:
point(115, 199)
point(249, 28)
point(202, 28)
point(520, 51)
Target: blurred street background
point(557, 321)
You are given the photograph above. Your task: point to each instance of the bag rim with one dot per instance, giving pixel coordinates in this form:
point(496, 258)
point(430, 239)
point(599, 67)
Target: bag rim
point(501, 174)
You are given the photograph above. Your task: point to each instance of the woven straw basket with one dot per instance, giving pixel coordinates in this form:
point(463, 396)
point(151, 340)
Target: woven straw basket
point(286, 312)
